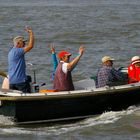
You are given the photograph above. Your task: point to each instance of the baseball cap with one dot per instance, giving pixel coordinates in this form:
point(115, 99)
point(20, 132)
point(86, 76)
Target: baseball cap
point(135, 59)
point(19, 38)
point(107, 58)
point(63, 53)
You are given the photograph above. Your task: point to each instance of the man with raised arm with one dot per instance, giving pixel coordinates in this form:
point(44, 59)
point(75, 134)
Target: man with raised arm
point(16, 61)
point(63, 79)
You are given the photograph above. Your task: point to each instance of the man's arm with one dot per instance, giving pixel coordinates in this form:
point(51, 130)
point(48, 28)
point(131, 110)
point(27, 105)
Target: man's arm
point(119, 75)
point(74, 62)
point(54, 58)
point(30, 44)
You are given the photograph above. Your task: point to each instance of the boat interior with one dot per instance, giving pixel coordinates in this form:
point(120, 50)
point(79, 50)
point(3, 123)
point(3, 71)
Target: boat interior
point(83, 86)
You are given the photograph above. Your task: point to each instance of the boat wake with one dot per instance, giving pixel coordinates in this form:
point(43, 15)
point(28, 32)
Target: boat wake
point(4, 121)
point(105, 118)
point(54, 130)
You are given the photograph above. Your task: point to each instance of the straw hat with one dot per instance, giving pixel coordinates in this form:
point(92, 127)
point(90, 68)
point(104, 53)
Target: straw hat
point(107, 58)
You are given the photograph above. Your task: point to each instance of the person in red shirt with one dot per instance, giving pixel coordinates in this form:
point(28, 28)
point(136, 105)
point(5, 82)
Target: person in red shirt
point(134, 70)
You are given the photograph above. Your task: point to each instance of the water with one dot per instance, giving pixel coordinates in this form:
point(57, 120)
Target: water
point(106, 27)
point(123, 125)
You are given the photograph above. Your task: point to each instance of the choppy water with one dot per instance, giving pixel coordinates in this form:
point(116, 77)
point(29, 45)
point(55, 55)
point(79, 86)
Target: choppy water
point(123, 125)
point(106, 27)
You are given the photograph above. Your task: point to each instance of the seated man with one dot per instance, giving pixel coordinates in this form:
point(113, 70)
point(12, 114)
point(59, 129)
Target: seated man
point(134, 70)
point(109, 76)
point(63, 79)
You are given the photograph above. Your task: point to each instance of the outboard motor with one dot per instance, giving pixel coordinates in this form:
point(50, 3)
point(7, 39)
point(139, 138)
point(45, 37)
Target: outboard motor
point(35, 88)
point(33, 84)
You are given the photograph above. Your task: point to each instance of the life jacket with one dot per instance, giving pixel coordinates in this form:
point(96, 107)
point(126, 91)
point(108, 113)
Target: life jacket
point(133, 73)
point(138, 73)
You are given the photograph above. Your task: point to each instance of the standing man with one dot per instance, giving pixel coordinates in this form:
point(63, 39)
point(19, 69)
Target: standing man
point(63, 79)
point(16, 61)
point(109, 76)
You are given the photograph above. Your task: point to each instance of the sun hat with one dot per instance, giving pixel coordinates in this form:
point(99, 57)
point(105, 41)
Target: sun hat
point(107, 58)
point(63, 53)
point(19, 38)
point(135, 59)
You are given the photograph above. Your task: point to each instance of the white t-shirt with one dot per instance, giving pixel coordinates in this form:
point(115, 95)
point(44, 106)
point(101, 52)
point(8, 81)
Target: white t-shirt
point(64, 67)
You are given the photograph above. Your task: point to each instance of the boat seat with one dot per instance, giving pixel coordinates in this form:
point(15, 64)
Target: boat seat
point(84, 84)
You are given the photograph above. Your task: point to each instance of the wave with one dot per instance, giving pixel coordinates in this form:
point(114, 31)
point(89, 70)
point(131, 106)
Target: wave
point(55, 130)
point(4, 121)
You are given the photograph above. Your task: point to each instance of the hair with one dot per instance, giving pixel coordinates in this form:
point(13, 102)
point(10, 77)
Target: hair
point(15, 43)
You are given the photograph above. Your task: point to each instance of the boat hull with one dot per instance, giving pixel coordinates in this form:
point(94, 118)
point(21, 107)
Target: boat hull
point(52, 108)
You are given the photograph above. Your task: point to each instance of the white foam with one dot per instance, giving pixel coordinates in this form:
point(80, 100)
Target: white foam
point(16, 130)
point(5, 120)
point(105, 118)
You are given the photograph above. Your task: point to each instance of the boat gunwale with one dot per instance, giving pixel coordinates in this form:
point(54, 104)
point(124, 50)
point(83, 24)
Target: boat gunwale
point(72, 94)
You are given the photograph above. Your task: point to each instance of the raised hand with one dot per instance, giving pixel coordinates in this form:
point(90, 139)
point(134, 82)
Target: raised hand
point(28, 29)
point(81, 50)
point(52, 47)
